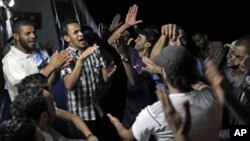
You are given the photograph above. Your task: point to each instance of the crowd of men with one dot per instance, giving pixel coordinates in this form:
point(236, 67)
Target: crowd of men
point(128, 84)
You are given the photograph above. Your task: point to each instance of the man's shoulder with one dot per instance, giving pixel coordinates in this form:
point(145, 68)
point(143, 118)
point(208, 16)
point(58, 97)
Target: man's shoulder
point(152, 110)
point(10, 55)
point(205, 94)
point(155, 110)
point(153, 114)
point(205, 89)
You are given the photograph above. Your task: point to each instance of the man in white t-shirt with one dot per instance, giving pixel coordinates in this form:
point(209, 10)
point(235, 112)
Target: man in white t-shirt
point(25, 58)
point(179, 73)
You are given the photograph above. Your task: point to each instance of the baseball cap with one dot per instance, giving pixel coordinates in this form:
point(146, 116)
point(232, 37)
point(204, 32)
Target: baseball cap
point(151, 35)
point(177, 59)
point(232, 45)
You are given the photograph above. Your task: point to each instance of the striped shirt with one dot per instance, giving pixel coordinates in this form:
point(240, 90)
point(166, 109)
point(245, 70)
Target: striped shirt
point(81, 100)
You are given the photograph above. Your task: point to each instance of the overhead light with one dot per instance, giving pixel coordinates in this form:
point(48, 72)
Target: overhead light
point(11, 3)
point(1, 3)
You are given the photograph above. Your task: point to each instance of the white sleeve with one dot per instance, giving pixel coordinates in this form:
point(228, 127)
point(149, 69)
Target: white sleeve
point(13, 71)
point(144, 125)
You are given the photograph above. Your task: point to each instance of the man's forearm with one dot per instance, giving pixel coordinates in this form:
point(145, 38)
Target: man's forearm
point(53, 77)
point(181, 137)
point(71, 79)
point(120, 30)
point(158, 46)
point(81, 126)
point(131, 73)
point(48, 70)
point(124, 133)
point(76, 120)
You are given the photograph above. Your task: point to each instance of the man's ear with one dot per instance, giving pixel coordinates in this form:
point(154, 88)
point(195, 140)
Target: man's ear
point(44, 116)
point(148, 44)
point(43, 120)
point(16, 36)
point(66, 38)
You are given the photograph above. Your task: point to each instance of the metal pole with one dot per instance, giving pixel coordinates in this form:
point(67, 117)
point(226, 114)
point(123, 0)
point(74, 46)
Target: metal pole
point(58, 24)
point(76, 13)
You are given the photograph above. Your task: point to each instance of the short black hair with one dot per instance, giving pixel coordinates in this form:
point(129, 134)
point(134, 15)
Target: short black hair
point(87, 29)
point(29, 104)
point(92, 38)
point(34, 81)
point(17, 129)
point(64, 28)
point(150, 34)
point(20, 22)
point(244, 41)
point(198, 31)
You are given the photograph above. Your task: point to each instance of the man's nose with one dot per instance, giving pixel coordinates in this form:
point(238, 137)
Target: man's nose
point(236, 62)
point(178, 42)
point(80, 33)
point(33, 35)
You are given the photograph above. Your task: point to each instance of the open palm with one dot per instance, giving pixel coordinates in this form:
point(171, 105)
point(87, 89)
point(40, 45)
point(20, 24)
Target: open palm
point(131, 16)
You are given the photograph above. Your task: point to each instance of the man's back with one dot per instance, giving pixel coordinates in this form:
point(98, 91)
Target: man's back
point(205, 117)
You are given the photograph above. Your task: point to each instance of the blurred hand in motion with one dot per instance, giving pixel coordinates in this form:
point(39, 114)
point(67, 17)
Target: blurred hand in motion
point(179, 122)
point(115, 22)
point(215, 78)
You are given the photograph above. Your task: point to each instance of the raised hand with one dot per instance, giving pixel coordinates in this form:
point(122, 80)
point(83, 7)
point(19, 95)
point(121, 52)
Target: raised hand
point(170, 30)
point(131, 16)
point(179, 122)
point(60, 60)
point(88, 52)
point(215, 78)
point(115, 22)
point(120, 45)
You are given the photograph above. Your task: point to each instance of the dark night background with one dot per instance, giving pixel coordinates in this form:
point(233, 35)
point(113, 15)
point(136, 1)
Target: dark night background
point(223, 20)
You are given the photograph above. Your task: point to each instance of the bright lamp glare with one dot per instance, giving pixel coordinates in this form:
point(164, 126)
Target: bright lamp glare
point(11, 4)
point(1, 3)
